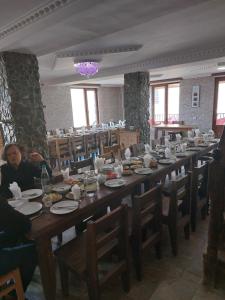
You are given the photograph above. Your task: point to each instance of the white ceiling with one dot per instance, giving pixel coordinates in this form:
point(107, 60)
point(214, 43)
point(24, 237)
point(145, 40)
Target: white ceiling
point(179, 38)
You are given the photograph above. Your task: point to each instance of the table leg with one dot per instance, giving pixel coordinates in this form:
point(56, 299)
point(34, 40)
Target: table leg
point(47, 268)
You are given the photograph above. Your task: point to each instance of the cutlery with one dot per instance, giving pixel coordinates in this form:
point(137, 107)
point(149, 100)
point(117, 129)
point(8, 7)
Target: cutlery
point(68, 207)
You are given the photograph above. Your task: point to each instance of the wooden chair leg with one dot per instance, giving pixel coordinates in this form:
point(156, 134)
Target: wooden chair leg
point(158, 250)
point(125, 277)
point(173, 238)
point(64, 277)
point(187, 231)
point(19, 285)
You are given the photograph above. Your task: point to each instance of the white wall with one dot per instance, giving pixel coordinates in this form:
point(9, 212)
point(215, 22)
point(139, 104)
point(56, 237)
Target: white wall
point(200, 116)
point(58, 106)
point(110, 102)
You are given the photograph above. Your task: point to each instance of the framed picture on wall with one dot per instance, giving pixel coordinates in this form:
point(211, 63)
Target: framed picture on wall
point(195, 96)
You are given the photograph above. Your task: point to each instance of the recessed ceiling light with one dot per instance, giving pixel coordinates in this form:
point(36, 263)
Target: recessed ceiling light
point(221, 66)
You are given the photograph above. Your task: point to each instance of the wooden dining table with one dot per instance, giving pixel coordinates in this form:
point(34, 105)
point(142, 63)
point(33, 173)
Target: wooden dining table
point(172, 128)
point(49, 225)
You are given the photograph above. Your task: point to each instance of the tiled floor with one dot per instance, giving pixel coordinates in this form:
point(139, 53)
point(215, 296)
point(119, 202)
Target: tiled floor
point(171, 278)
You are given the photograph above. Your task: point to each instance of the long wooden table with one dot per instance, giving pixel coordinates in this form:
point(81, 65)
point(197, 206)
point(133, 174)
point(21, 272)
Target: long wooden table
point(171, 127)
point(49, 225)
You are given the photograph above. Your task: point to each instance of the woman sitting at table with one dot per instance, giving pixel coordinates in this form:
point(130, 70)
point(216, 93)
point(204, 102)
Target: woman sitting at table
point(20, 170)
point(16, 250)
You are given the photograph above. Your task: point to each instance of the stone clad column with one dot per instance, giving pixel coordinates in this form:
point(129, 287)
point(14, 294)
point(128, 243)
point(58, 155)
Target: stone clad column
point(21, 107)
point(136, 103)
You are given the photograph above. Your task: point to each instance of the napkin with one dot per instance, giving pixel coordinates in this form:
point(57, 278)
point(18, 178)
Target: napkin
point(147, 148)
point(99, 162)
point(76, 192)
point(147, 159)
point(66, 173)
point(167, 153)
point(16, 191)
point(189, 134)
point(127, 153)
point(178, 137)
point(197, 132)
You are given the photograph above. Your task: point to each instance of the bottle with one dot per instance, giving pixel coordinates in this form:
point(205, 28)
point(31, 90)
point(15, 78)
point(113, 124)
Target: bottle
point(45, 180)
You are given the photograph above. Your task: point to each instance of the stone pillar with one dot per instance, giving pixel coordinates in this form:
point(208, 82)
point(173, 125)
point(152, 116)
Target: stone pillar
point(136, 103)
point(21, 107)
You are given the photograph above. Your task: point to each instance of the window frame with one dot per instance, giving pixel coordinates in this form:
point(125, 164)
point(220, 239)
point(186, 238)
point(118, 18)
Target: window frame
point(158, 85)
point(85, 90)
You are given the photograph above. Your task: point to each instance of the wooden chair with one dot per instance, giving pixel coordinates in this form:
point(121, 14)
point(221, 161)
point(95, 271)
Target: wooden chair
point(199, 194)
point(79, 165)
point(83, 255)
point(176, 209)
point(109, 157)
point(91, 145)
point(137, 149)
point(146, 226)
point(11, 282)
point(78, 147)
point(60, 151)
point(114, 137)
point(115, 149)
point(102, 140)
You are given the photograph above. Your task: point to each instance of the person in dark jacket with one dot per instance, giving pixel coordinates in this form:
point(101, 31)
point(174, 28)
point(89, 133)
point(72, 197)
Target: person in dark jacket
point(21, 171)
point(16, 250)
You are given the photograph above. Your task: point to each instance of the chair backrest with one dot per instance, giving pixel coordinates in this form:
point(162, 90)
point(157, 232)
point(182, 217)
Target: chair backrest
point(105, 236)
point(15, 284)
point(78, 146)
point(114, 137)
point(180, 190)
point(200, 181)
point(147, 209)
point(109, 157)
point(90, 142)
point(79, 165)
point(115, 149)
point(63, 148)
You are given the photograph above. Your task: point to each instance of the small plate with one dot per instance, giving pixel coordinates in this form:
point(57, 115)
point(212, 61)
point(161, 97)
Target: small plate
point(166, 161)
point(64, 207)
point(143, 171)
point(61, 188)
point(31, 194)
point(114, 183)
point(29, 208)
point(17, 203)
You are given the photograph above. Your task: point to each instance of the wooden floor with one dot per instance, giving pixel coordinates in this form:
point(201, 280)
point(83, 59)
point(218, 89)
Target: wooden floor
point(170, 278)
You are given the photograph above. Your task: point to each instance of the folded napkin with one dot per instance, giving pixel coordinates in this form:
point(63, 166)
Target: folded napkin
point(147, 148)
point(16, 191)
point(99, 163)
point(66, 173)
point(127, 153)
point(147, 159)
point(167, 153)
point(197, 133)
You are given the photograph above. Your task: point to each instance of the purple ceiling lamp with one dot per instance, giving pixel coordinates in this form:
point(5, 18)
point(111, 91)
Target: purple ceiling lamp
point(87, 68)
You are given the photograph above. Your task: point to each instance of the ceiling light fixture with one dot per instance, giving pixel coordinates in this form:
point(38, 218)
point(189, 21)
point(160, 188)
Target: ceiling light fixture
point(221, 66)
point(87, 68)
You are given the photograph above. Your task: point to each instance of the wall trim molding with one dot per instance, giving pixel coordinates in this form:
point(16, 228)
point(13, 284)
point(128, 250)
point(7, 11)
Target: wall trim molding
point(34, 16)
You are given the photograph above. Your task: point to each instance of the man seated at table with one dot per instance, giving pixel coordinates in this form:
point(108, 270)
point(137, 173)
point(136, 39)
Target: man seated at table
point(16, 250)
point(20, 170)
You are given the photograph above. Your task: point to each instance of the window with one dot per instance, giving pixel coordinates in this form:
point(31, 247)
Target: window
point(85, 107)
point(219, 106)
point(165, 102)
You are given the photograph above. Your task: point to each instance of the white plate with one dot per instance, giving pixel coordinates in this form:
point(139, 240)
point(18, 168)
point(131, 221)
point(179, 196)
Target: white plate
point(143, 171)
point(61, 188)
point(29, 208)
point(31, 194)
point(64, 207)
point(115, 183)
point(17, 203)
point(166, 161)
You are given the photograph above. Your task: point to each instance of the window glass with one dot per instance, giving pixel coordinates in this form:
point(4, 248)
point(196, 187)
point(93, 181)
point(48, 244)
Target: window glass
point(220, 114)
point(92, 107)
point(78, 106)
point(159, 103)
point(173, 102)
